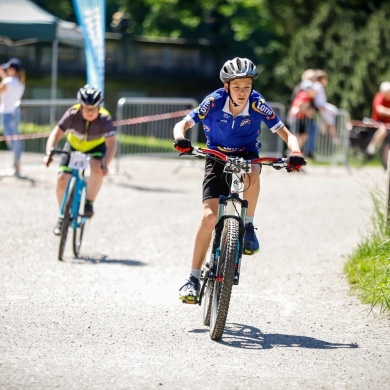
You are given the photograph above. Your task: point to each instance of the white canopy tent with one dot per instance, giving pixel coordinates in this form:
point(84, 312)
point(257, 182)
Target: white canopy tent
point(22, 22)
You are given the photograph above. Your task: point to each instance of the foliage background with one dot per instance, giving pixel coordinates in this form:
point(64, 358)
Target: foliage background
point(350, 39)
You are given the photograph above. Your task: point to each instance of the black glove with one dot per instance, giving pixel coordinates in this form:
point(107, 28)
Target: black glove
point(182, 145)
point(296, 160)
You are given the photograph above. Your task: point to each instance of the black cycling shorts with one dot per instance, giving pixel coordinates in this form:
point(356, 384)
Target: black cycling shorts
point(97, 153)
point(216, 182)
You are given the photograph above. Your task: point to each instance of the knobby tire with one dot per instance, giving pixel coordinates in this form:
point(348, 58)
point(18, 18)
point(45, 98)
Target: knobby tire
point(222, 290)
point(66, 219)
point(79, 231)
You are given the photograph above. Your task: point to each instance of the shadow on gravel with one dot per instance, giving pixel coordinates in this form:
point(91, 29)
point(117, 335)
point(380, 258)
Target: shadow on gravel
point(151, 189)
point(248, 337)
point(20, 178)
point(105, 260)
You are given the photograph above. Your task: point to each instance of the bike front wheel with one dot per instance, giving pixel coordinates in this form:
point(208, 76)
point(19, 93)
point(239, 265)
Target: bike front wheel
point(67, 218)
point(222, 286)
point(78, 232)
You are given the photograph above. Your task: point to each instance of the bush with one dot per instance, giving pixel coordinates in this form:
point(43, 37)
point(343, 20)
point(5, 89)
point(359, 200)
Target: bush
point(368, 268)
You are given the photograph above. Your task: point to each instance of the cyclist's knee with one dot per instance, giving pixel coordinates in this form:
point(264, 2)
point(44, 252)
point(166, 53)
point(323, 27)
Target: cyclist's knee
point(96, 168)
point(254, 177)
point(62, 179)
point(209, 219)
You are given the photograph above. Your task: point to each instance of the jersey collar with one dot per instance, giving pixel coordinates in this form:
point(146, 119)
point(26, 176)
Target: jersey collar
point(244, 112)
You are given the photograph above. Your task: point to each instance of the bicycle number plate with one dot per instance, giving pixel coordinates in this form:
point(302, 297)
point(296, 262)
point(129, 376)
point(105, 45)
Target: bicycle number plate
point(78, 160)
point(237, 165)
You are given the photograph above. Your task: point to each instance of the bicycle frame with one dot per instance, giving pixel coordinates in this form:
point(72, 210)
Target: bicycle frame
point(231, 206)
point(73, 201)
point(78, 177)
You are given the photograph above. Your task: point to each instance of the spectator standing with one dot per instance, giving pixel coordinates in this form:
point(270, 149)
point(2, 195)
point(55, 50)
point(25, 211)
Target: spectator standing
point(312, 129)
point(307, 75)
point(380, 113)
point(12, 89)
point(327, 111)
point(302, 112)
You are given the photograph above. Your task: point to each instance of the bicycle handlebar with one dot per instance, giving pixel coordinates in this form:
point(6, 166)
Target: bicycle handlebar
point(240, 163)
point(68, 152)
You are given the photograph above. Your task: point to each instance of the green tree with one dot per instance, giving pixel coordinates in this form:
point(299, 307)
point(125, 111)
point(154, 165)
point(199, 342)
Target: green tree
point(348, 39)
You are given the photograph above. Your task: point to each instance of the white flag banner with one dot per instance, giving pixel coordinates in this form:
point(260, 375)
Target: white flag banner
point(91, 16)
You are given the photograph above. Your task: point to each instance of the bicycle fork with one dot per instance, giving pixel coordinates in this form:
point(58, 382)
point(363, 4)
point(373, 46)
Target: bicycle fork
point(227, 210)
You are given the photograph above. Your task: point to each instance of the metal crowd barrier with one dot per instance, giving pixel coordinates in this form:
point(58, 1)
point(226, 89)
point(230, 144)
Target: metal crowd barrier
point(333, 151)
point(145, 125)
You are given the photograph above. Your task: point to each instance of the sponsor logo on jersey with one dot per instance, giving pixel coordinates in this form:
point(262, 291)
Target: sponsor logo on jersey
point(245, 122)
point(263, 108)
point(206, 128)
point(205, 107)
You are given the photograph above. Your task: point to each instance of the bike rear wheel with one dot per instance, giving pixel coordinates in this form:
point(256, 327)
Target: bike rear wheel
point(67, 218)
point(78, 233)
point(222, 286)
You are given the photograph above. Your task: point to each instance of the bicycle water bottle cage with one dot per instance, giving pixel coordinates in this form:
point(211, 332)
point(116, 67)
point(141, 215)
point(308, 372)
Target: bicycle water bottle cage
point(236, 164)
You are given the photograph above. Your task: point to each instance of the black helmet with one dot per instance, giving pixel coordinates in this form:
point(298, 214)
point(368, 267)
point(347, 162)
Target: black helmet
point(238, 68)
point(89, 96)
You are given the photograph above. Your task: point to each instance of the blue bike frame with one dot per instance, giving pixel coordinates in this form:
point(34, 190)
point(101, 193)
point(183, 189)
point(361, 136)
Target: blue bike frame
point(79, 183)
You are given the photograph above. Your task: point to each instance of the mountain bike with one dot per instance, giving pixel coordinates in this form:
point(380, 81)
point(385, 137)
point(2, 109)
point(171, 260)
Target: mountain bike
point(73, 201)
point(222, 264)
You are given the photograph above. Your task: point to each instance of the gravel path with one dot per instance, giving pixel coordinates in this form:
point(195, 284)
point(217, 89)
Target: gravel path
point(112, 319)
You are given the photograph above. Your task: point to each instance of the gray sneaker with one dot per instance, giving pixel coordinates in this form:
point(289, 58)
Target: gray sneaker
point(189, 292)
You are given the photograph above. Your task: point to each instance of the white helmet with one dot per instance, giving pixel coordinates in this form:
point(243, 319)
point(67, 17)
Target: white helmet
point(238, 68)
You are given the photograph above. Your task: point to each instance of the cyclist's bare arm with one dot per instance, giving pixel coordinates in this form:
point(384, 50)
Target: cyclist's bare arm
point(51, 143)
point(180, 129)
point(289, 138)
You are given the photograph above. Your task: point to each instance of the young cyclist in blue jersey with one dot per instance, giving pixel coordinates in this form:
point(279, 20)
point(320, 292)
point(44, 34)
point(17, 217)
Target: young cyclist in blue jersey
point(89, 129)
point(231, 118)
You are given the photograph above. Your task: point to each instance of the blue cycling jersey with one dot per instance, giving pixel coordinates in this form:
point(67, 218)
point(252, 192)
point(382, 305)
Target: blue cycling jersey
point(231, 134)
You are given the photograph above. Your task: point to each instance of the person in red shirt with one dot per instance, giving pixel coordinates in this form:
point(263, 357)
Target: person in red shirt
point(380, 114)
point(302, 112)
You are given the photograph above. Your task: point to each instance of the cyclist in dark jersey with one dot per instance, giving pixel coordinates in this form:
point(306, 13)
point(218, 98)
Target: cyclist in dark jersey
point(89, 129)
point(231, 118)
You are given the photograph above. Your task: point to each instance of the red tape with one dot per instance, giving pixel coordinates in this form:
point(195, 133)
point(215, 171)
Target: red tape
point(131, 121)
